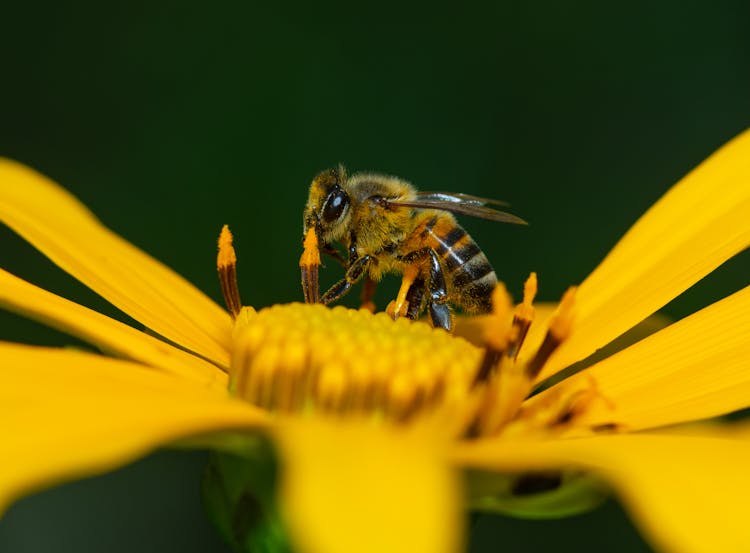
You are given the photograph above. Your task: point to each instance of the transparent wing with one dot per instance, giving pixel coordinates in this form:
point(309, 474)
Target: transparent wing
point(459, 197)
point(460, 204)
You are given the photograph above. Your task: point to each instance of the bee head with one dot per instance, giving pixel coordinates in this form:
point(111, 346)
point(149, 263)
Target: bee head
point(328, 205)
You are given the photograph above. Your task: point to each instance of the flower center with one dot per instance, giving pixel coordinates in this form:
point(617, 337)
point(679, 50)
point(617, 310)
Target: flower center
point(307, 357)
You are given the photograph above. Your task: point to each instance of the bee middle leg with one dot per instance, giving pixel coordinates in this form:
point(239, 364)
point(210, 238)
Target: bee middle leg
point(440, 313)
point(354, 273)
point(368, 293)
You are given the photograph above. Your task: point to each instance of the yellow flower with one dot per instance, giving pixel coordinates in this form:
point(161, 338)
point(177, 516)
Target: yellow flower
point(373, 446)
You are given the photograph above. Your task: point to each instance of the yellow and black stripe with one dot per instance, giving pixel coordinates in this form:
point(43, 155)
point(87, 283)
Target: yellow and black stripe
point(468, 271)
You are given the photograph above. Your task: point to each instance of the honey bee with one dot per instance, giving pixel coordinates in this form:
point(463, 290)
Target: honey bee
point(387, 226)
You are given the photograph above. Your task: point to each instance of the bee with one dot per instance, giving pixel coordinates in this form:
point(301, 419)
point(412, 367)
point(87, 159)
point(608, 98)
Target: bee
point(387, 226)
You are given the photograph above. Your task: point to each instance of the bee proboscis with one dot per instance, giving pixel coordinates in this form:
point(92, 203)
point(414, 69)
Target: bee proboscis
point(387, 226)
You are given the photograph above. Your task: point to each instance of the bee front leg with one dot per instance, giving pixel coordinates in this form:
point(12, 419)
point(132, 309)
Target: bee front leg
point(353, 274)
point(334, 253)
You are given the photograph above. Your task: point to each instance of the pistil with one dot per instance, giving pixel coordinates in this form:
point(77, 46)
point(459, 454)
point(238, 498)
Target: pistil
point(559, 329)
point(498, 336)
point(523, 316)
point(226, 262)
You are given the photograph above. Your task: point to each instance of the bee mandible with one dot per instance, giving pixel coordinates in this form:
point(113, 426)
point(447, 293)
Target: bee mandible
point(387, 226)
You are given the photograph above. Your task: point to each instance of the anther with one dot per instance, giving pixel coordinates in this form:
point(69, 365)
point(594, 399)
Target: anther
point(309, 264)
point(559, 329)
point(226, 262)
point(523, 315)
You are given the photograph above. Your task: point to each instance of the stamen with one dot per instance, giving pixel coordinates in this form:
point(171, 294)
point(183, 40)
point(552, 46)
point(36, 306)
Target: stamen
point(561, 408)
point(559, 329)
point(226, 262)
point(489, 363)
point(309, 262)
point(524, 315)
point(562, 323)
point(505, 394)
point(576, 403)
point(498, 334)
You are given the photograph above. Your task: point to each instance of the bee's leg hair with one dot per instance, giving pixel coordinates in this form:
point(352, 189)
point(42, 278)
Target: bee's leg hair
point(439, 311)
point(353, 274)
point(414, 296)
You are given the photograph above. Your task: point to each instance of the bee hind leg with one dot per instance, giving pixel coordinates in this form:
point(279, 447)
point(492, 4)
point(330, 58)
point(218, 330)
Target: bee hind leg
point(441, 316)
point(437, 302)
point(414, 298)
point(440, 313)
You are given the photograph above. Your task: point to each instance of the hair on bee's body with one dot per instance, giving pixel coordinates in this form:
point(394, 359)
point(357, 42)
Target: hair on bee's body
point(387, 226)
point(378, 229)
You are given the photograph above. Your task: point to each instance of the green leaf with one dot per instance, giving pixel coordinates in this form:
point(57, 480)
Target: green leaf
point(239, 492)
point(536, 495)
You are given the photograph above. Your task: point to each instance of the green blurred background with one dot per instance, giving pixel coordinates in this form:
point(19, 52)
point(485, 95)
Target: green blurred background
point(169, 119)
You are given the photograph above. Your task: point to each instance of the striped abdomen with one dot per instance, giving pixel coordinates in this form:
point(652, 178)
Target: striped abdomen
point(468, 273)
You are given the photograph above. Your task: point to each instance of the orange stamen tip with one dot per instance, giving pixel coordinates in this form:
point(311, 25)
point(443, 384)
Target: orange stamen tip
point(498, 332)
point(529, 289)
point(562, 323)
point(226, 255)
point(226, 263)
point(525, 310)
point(311, 255)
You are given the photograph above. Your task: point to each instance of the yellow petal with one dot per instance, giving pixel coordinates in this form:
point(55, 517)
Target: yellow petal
point(688, 491)
point(700, 223)
point(353, 487)
point(66, 232)
point(696, 368)
point(67, 414)
point(111, 336)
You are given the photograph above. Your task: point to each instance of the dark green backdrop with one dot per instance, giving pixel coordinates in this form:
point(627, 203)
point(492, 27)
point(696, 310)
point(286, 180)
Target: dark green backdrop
point(170, 119)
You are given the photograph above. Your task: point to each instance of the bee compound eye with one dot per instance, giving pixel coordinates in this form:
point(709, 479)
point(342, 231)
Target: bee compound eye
point(334, 205)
